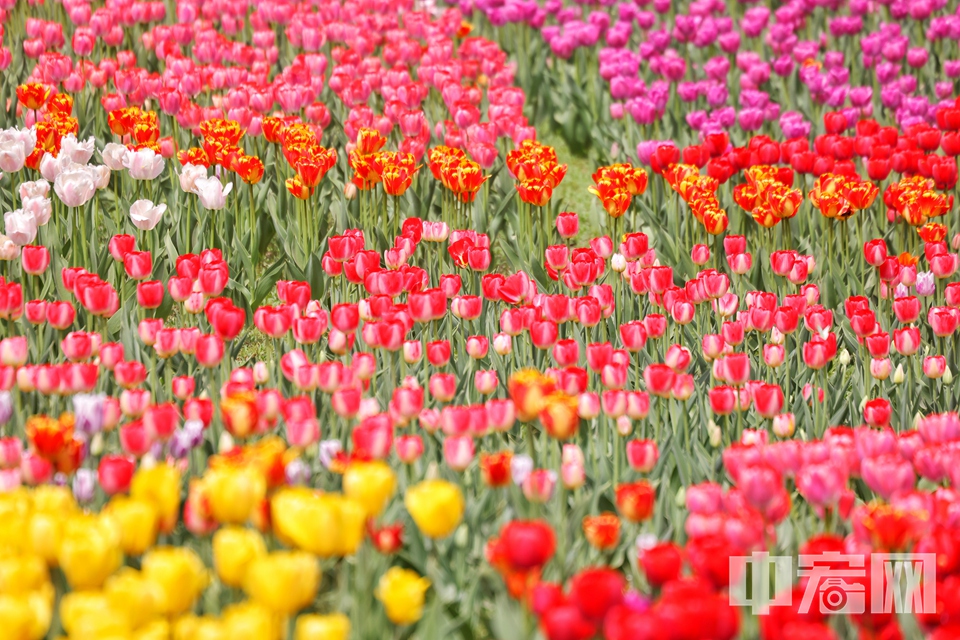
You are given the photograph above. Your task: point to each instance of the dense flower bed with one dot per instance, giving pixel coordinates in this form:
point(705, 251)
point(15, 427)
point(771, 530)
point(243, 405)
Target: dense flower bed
point(298, 342)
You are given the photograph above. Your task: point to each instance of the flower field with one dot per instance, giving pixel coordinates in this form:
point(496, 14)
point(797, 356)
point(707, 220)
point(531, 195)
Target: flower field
point(306, 335)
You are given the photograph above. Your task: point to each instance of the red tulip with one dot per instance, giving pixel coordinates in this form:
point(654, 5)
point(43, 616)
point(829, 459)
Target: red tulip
point(150, 294)
point(438, 353)
point(138, 264)
point(209, 351)
point(213, 277)
point(120, 246)
point(659, 379)
point(877, 412)
point(35, 259)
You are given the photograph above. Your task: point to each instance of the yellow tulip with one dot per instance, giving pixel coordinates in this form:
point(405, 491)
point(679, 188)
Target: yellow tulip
point(179, 573)
point(53, 499)
point(233, 550)
point(334, 626)
point(52, 505)
point(156, 630)
point(436, 507)
point(44, 531)
point(89, 551)
point(20, 574)
point(159, 485)
point(326, 525)
point(283, 581)
point(128, 591)
point(194, 628)
point(88, 614)
point(137, 519)
point(251, 621)
point(15, 509)
point(372, 484)
point(401, 591)
point(234, 492)
point(18, 620)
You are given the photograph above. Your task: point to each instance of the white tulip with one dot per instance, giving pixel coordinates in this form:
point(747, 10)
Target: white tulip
point(20, 227)
point(75, 186)
point(145, 215)
point(36, 189)
point(39, 207)
point(100, 174)
point(114, 155)
point(189, 176)
point(8, 250)
point(12, 156)
point(212, 194)
point(80, 151)
point(144, 164)
point(15, 146)
point(49, 167)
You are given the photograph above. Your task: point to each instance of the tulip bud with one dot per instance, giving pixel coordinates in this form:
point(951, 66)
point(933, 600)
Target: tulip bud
point(784, 425)
point(716, 436)
point(844, 358)
point(618, 263)
point(880, 368)
point(226, 442)
point(502, 344)
point(624, 426)
point(947, 376)
point(898, 375)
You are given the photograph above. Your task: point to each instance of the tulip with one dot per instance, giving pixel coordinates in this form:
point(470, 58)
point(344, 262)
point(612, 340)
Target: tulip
point(401, 591)
point(877, 412)
point(538, 485)
point(75, 186)
point(35, 259)
point(635, 501)
point(143, 164)
point(436, 507)
point(934, 367)
point(89, 551)
point(137, 520)
point(159, 485)
point(211, 192)
point(334, 626)
point(145, 215)
point(371, 484)
point(642, 455)
point(234, 548)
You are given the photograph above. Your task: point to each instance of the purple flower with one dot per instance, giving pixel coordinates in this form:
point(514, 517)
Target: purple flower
point(860, 96)
point(943, 89)
point(783, 66)
point(695, 119)
point(688, 91)
point(917, 57)
point(84, 485)
point(926, 284)
point(717, 68)
point(891, 97)
point(297, 472)
point(729, 42)
point(646, 19)
point(750, 119)
point(616, 110)
point(88, 412)
point(908, 83)
point(952, 68)
point(520, 468)
point(725, 116)
point(6, 407)
point(895, 49)
point(833, 59)
point(887, 72)
point(717, 95)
